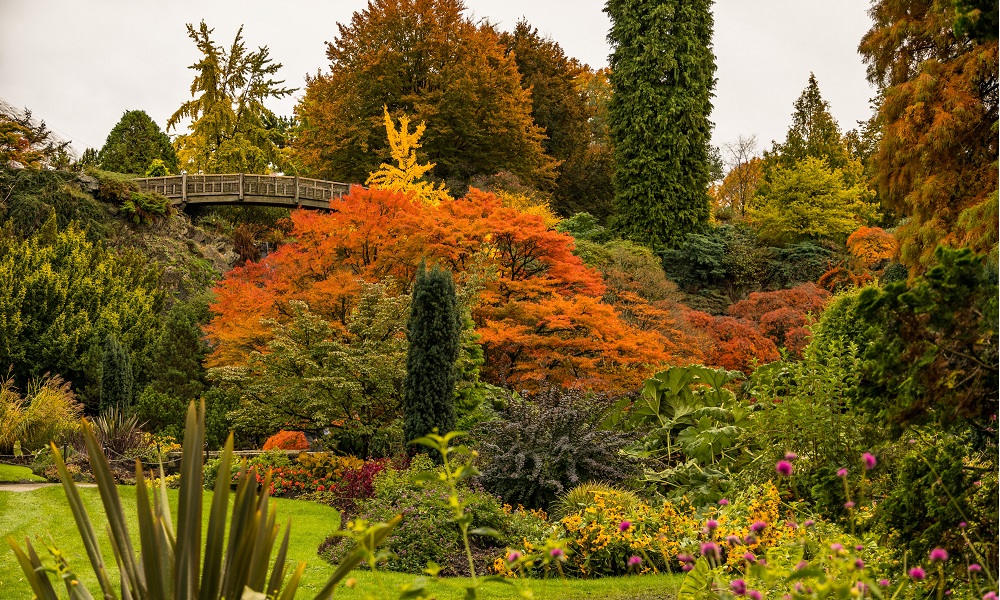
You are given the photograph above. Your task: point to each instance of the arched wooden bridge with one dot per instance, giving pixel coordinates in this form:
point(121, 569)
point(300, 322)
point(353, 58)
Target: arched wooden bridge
point(240, 188)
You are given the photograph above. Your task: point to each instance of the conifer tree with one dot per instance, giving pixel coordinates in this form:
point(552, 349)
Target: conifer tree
point(813, 133)
point(134, 143)
point(116, 375)
point(662, 73)
point(433, 331)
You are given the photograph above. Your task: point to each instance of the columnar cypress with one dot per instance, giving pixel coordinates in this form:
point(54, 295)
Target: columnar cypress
point(116, 376)
point(662, 74)
point(433, 332)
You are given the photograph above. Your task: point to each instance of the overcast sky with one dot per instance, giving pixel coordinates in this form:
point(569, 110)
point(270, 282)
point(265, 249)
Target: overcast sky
point(81, 64)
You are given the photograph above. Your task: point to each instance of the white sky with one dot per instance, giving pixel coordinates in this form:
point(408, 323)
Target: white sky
point(80, 64)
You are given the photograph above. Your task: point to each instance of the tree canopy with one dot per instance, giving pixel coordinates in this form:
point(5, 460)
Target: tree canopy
point(134, 143)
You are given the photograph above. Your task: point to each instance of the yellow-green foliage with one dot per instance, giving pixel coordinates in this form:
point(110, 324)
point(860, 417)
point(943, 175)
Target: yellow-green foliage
point(47, 412)
point(406, 177)
point(529, 204)
point(586, 494)
point(321, 464)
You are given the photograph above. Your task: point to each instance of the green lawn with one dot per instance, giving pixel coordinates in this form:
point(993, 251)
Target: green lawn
point(44, 513)
point(15, 474)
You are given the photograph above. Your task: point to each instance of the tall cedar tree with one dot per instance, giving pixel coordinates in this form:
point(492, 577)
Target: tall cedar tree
point(663, 74)
point(434, 331)
point(813, 133)
point(425, 59)
point(936, 69)
point(117, 390)
point(134, 143)
point(231, 130)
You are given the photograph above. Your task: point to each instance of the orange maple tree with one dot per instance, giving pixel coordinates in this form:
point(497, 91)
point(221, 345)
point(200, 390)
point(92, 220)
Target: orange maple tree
point(872, 245)
point(539, 309)
point(782, 315)
point(734, 344)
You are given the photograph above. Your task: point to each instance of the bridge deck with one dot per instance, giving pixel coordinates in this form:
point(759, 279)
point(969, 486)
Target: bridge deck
point(267, 190)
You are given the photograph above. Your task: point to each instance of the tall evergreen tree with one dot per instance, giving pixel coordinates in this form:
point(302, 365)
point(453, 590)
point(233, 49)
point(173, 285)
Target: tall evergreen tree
point(116, 375)
point(134, 143)
point(662, 73)
point(813, 133)
point(434, 331)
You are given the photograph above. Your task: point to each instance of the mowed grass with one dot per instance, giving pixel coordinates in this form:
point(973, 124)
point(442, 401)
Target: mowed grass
point(16, 474)
point(44, 516)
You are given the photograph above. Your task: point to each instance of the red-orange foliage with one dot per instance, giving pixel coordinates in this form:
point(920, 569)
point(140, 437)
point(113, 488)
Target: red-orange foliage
point(287, 440)
point(844, 276)
point(783, 314)
point(872, 245)
point(539, 311)
point(733, 343)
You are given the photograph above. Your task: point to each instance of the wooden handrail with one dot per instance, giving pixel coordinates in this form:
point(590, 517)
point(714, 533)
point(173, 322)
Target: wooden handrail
point(281, 190)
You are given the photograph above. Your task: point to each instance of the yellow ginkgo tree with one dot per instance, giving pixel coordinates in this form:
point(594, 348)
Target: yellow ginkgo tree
point(406, 177)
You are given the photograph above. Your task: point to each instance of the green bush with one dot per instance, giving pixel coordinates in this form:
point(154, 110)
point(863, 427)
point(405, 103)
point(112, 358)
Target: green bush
point(426, 533)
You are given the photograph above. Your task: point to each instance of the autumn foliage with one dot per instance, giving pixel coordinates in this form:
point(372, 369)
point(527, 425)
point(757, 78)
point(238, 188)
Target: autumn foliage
point(287, 440)
point(539, 310)
point(872, 245)
point(782, 315)
point(732, 343)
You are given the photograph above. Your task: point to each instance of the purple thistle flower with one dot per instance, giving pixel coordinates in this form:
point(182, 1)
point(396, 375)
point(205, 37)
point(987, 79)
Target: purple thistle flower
point(634, 561)
point(624, 525)
point(870, 461)
point(883, 582)
point(859, 547)
point(687, 567)
point(685, 558)
point(723, 502)
point(732, 540)
point(556, 553)
point(784, 468)
point(791, 456)
point(859, 564)
point(836, 547)
point(753, 595)
point(947, 592)
point(991, 595)
point(918, 574)
point(739, 587)
point(963, 525)
point(848, 505)
point(758, 526)
point(939, 555)
point(841, 472)
point(791, 525)
point(802, 564)
point(975, 568)
point(809, 523)
point(750, 557)
point(762, 562)
point(711, 524)
point(750, 540)
point(710, 548)
point(514, 555)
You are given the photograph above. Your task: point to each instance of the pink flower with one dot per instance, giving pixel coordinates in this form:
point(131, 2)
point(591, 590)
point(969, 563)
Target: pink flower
point(784, 468)
point(723, 502)
point(514, 555)
point(710, 548)
point(918, 574)
point(809, 523)
point(557, 553)
point(990, 596)
point(739, 587)
point(963, 525)
point(883, 582)
point(975, 568)
point(791, 456)
point(841, 472)
point(750, 557)
point(687, 567)
point(836, 547)
point(753, 595)
point(869, 459)
point(939, 555)
point(848, 505)
point(758, 526)
point(685, 558)
point(634, 561)
point(732, 540)
point(859, 547)
point(859, 564)
point(802, 564)
point(711, 524)
point(624, 525)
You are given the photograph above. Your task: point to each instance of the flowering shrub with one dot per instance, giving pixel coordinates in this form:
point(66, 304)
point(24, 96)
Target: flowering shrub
point(287, 440)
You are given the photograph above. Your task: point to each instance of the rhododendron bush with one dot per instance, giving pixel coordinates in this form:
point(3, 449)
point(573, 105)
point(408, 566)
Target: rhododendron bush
point(539, 310)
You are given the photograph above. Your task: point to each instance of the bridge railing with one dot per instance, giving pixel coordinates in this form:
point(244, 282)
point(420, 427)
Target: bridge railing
point(240, 185)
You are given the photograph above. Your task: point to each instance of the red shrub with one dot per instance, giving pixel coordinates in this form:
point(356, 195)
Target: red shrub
point(287, 440)
point(733, 343)
point(782, 315)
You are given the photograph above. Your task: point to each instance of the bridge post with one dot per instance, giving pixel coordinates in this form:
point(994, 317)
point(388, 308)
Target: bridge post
point(241, 187)
point(297, 203)
point(184, 188)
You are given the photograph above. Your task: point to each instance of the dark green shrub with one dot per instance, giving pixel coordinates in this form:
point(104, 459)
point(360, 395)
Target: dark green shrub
point(117, 389)
point(804, 261)
point(542, 448)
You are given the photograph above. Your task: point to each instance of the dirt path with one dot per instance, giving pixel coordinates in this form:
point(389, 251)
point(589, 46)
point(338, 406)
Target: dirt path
point(30, 487)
